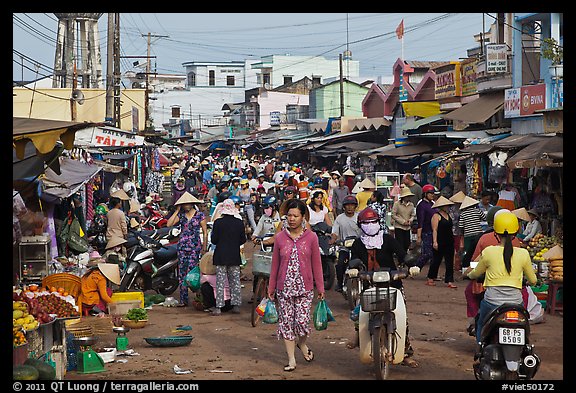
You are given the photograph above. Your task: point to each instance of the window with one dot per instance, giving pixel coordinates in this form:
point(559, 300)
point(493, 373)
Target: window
point(230, 80)
point(192, 79)
point(266, 78)
point(211, 78)
point(287, 79)
point(316, 80)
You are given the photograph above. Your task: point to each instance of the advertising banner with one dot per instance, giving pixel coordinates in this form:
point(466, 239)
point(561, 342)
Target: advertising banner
point(447, 81)
point(511, 103)
point(496, 58)
point(533, 99)
point(468, 71)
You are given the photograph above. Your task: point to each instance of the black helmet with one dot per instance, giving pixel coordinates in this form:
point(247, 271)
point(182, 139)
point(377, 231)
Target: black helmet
point(223, 196)
point(359, 177)
point(350, 200)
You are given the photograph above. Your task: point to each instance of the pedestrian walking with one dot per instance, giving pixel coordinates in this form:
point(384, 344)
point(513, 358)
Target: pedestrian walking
point(116, 222)
point(376, 202)
point(338, 195)
point(296, 269)
point(190, 246)
point(454, 211)
point(228, 234)
point(403, 214)
point(416, 189)
point(442, 243)
point(470, 222)
point(368, 187)
point(424, 213)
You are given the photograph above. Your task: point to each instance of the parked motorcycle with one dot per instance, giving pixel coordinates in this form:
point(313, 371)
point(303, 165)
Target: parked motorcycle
point(97, 233)
point(151, 265)
point(505, 352)
point(382, 319)
point(153, 217)
point(327, 253)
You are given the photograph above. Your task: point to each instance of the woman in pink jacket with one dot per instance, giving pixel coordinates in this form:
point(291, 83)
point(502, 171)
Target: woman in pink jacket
point(296, 269)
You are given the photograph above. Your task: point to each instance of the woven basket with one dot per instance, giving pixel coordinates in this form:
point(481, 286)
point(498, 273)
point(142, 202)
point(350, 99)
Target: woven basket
point(69, 282)
point(81, 331)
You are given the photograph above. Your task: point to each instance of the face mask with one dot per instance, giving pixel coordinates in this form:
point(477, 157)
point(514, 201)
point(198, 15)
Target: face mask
point(371, 229)
point(268, 211)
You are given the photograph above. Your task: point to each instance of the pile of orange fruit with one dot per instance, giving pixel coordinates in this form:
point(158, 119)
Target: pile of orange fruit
point(60, 290)
point(19, 337)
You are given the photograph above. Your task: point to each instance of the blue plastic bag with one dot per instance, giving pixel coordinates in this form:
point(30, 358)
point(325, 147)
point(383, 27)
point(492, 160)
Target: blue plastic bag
point(192, 279)
point(270, 315)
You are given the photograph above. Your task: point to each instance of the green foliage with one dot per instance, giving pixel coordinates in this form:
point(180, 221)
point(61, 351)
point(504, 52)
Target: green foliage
point(551, 50)
point(137, 314)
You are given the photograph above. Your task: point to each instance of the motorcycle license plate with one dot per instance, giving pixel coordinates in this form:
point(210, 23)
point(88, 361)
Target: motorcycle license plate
point(511, 336)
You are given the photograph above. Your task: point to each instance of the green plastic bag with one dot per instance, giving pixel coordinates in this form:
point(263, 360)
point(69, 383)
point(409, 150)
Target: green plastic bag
point(193, 278)
point(320, 315)
point(329, 314)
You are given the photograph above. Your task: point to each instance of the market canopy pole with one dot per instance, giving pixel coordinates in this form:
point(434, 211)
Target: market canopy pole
point(400, 35)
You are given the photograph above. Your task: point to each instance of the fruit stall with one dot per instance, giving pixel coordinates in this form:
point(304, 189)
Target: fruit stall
point(39, 316)
point(548, 262)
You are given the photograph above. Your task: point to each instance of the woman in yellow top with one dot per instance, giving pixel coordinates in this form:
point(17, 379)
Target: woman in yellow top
point(363, 196)
point(504, 266)
point(95, 293)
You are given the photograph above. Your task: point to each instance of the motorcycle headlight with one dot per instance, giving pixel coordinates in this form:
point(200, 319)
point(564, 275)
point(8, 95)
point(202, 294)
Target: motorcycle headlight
point(381, 277)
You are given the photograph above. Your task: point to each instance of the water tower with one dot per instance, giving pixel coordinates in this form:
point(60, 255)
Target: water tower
point(78, 44)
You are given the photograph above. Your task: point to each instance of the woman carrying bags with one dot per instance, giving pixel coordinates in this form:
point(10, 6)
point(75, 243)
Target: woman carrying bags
point(296, 269)
point(190, 247)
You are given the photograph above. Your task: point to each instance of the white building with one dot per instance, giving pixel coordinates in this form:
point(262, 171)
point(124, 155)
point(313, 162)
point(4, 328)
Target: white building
point(211, 85)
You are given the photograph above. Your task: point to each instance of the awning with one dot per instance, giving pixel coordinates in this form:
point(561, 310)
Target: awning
point(515, 141)
point(414, 125)
point(107, 167)
point(391, 151)
point(33, 164)
point(74, 174)
point(367, 124)
point(479, 110)
point(548, 151)
point(44, 133)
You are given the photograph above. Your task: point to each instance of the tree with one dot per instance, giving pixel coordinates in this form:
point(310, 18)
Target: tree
point(551, 50)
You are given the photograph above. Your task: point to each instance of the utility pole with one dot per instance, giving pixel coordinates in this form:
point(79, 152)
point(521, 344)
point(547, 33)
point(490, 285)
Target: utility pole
point(74, 86)
point(117, 69)
point(147, 124)
point(109, 70)
point(341, 88)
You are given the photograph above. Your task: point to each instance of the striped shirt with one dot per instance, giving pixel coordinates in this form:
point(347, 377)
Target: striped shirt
point(470, 219)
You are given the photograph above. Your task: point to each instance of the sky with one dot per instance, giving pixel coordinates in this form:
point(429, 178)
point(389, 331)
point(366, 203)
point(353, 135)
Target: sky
point(187, 37)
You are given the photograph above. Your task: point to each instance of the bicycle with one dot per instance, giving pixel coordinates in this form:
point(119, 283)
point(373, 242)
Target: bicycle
point(261, 264)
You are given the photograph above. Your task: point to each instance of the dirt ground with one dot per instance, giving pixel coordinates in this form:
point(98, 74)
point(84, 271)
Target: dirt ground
point(229, 348)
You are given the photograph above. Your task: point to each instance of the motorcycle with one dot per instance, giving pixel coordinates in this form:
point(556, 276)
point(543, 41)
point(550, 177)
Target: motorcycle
point(97, 233)
point(151, 265)
point(327, 253)
point(351, 284)
point(505, 352)
point(382, 319)
point(154, 218)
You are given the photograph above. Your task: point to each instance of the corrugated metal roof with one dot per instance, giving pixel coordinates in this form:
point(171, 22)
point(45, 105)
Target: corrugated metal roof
point(426, 64)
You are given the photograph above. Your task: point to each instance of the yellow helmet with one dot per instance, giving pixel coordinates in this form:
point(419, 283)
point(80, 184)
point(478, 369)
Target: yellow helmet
point(505, 221)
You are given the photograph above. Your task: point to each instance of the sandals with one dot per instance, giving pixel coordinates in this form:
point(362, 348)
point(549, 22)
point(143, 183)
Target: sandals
point(310, 354)
point(289, 368)
point(408, 361)
point(450, 285)
point(430, 283)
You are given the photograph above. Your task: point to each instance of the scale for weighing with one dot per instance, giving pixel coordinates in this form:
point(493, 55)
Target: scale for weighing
point(88, 361)
point(121, 340)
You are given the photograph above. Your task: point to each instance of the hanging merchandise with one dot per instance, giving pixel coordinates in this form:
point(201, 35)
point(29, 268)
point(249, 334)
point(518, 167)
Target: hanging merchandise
point(90, 200)
point(497, 171)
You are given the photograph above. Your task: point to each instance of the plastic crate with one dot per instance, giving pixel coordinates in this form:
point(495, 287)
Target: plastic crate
point(122, 307)
point(261, 263)
point(123, 296)
point(376, 300)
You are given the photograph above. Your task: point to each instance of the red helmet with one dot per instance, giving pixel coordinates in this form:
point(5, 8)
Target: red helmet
point(428, 188)
point(368, 215)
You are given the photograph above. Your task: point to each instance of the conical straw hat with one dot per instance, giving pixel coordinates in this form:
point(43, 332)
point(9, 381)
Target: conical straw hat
point(467, 202)
point(442, 201)
point(458, 197)
point(120, 194)
point(111, 271)
point(405, 191)
point(134, 223)
point(134, 206)
point(187, 198)
point(336, 172)
point(349, 173)
point(206, 263)
point(521, 213)
point(325, 175)
point(367, 183)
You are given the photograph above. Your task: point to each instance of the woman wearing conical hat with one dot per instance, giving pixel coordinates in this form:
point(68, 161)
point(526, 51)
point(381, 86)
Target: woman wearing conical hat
point(442, 243)
point(95, 293)
point(403, 215)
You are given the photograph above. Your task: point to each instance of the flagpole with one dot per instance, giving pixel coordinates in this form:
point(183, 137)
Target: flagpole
point(402, 41)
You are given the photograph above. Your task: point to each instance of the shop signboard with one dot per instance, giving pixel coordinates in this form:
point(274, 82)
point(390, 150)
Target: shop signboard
point(533, 98)
point(468, 71)
point(109, 137)
point(402, 92)
point(275, 118)
point(496, 58)
point(512, 102)
point(447, 81)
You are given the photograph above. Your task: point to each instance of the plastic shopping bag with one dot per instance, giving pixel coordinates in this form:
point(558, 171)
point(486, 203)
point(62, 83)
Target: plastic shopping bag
point(329, 314)
point(193, 278)
point(320, 315)
point(270, 315)
point(261, 309)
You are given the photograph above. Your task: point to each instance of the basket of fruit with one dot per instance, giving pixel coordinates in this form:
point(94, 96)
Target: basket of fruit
point(63, 283)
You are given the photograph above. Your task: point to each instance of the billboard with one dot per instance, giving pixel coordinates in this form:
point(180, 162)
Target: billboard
point(496, 58)
point(512, 103)
point(447, 81)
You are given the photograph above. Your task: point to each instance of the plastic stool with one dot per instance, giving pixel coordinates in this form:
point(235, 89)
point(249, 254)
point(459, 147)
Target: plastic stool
point(552, 305)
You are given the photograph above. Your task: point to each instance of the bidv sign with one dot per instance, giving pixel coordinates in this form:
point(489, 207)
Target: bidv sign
point(524, 101)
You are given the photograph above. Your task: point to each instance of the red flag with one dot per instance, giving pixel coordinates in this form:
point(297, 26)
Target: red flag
point(400, 30)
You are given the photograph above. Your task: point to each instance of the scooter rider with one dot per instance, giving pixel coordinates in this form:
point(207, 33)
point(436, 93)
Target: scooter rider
point(504, 266)
point(345, 226)
point(377, 249)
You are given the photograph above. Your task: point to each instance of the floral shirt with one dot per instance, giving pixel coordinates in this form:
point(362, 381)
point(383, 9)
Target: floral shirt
point(381, 210)
point(294, 284)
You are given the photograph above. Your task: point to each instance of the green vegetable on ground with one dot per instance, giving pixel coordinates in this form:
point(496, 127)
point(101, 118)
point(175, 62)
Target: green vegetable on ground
point(25, 373)
point(46, 372)
point(137, 314)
